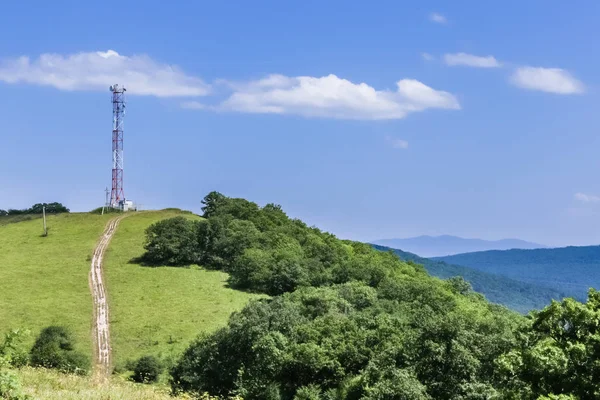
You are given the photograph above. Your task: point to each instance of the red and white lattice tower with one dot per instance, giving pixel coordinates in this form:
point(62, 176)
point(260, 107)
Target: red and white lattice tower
point(118, 102)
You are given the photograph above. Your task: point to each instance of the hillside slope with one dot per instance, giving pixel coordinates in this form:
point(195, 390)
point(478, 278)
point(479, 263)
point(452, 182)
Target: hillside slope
point(159, 310)
point(434, 246)
point(571, 269)
point(517, 295)
point(44, 280)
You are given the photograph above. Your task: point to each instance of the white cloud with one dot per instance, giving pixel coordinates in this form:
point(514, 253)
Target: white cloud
point(97, 70)
point(427, 57)
point(397, 143)
point(333, 97)
point(470, 60)
point(437, 18)
point(587, 198)
point(552, 80)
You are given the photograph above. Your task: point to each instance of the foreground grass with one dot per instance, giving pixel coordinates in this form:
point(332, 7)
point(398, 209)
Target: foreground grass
point(44, 280)
point(51, 385)
point(159, 310)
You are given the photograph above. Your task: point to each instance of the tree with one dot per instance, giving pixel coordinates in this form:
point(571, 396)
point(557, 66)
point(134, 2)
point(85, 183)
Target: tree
point(393, 384)
point(51, 208)
point(55, 348)
point(38, 208)
point(211, 204)
point(344, 322)
point(344, 339)
point(459, 285)
point(557, 353)
point(171, 242)
point(147, 369)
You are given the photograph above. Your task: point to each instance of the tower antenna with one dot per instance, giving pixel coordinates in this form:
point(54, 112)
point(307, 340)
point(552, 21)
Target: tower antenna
point(118, 108)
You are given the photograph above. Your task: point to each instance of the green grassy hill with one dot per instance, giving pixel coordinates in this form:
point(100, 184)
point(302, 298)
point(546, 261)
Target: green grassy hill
point(159, 310)
point(44, 280)
point(153, 310)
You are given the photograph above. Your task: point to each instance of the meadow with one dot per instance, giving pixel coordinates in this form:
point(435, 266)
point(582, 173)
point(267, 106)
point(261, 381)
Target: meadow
point(44, 280)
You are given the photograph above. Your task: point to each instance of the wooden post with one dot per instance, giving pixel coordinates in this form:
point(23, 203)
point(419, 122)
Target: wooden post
point(44, 215)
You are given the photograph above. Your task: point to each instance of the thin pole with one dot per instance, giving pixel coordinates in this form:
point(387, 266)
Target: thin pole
point(105, 201)
point(44, 213)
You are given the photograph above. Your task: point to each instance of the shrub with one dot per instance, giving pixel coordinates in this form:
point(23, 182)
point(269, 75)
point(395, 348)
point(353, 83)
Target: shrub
point(171, 242)
point(10, 386)
point(147, 369)
point(55, 348)
point(13, 350)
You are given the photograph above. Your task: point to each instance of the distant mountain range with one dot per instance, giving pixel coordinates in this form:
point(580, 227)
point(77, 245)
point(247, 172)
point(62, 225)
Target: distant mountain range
point(437, 246)
point(517, 295)
point(572, 270)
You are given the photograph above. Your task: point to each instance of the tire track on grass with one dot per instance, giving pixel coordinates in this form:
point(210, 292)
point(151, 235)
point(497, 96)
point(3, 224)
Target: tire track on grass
point(101, 331)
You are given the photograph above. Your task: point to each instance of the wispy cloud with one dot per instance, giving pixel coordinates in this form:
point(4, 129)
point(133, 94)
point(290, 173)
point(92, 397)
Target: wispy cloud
point(427, 57)
point(470, 60)
point(97, 70)
point(397, 143)
point(551, 80)
point(437, 18)
point(586, 198)
point(333, 97)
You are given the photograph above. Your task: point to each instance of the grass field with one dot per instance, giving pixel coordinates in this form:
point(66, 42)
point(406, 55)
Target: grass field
point(159, 310)
point(51, 385)
point(44, 280)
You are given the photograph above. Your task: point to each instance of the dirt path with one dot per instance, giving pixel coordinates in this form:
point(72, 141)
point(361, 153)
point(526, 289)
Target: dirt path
point(101, 332)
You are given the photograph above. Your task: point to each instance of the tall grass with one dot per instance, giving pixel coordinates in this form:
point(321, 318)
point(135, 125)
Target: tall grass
point(45, 384)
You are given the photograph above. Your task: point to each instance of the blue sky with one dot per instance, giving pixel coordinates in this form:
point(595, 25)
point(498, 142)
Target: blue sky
point(367, 119)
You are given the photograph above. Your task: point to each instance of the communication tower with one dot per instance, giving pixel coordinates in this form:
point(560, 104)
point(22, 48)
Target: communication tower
point(117, 194)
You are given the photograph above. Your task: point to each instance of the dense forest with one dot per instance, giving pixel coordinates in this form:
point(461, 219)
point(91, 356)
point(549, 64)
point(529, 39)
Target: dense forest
point(572, 270)
point(516, 295)
point(345, 321)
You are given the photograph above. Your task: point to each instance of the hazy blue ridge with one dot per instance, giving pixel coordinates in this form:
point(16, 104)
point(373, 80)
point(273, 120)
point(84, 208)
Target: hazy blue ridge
point(572, 270)
point(437, 246)
point(517, 295)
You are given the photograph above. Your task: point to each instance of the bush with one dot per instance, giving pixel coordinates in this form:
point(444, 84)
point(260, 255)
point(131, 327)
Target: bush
point(171, 242)
point(55, 348)
point(12, 350)
point(147, 370)
point(10, 386)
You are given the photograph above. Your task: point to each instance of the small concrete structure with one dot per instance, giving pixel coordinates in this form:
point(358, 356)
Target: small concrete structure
point(127, 205)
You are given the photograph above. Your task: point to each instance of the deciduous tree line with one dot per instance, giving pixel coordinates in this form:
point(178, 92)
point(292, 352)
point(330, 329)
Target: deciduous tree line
point(51, 208)
point(349, 322)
